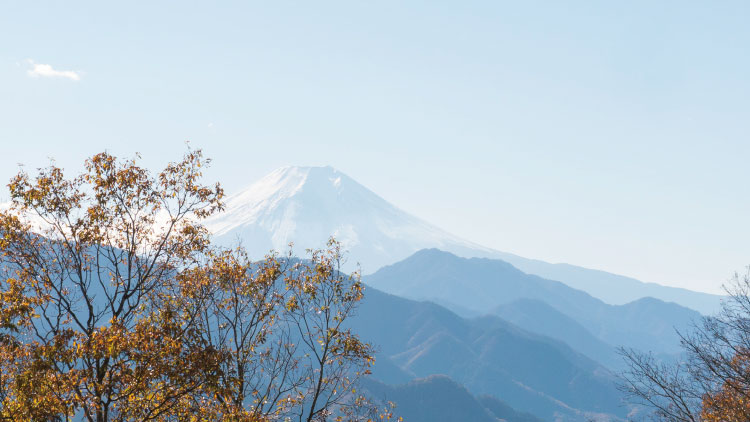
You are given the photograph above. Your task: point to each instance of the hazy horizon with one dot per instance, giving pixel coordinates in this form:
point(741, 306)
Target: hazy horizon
point(610, 136)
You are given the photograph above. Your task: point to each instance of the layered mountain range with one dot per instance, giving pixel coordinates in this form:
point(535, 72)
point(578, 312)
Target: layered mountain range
point(306, 205)
point(464, 332)
point(532, 373)
point(481, 286)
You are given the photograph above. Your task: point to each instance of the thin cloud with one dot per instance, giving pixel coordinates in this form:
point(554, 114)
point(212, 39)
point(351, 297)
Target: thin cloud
point(39, 70)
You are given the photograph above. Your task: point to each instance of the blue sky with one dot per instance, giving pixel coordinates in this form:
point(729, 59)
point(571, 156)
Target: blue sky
point(612, 135)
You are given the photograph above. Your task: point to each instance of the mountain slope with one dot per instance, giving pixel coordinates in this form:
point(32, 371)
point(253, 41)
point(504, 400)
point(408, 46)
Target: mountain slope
point(531, 373)
point(537, 316)
point(612, 288)
point(306, 205)
point(501, 410)
point(432, 399)
point(484, 284)
point(438, 398)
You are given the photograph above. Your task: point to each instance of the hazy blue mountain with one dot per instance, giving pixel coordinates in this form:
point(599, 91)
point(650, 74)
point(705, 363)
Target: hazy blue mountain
point(539, 317)
point(433, 399)
point(612, 288)
point(306, 205)
point(502, 410)
point(488, 355)
point(389, 372)
point(438, 398)
point(484, 284)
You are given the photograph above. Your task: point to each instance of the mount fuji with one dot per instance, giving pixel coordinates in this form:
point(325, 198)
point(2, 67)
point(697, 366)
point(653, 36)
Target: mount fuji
point(307, 205)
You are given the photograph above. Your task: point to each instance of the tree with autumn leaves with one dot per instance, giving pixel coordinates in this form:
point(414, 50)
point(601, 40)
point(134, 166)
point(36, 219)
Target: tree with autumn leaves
point(114, 306)
point(710, 382)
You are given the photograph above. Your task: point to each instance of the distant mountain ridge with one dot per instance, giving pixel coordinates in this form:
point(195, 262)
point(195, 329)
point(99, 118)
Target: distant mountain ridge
point(494, 286)
point(307, 205)
point(531, 373)
point(438, 398)
point(538, 317)
point(612, 288)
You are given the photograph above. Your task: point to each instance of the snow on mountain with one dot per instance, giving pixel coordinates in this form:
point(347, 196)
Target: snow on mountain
point(307, 205)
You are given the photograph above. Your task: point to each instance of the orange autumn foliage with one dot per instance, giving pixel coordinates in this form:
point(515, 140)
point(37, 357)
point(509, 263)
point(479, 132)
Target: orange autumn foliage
point(731, 403)
point(89, 327)
point(114, 306)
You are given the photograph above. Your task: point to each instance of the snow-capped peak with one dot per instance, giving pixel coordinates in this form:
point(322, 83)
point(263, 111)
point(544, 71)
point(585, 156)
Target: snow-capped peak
point(307, 205)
